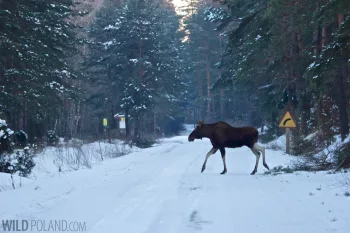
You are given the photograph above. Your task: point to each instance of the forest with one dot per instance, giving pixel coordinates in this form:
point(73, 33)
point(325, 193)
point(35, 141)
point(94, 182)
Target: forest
point(67, 65)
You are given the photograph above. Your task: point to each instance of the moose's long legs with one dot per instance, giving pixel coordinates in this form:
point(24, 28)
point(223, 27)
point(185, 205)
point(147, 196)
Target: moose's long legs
point(256, 149)
point(223, 156)
point(257, 155)
point(211, 152)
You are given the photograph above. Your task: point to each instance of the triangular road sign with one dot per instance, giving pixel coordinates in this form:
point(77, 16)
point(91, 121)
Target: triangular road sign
point(287, 121)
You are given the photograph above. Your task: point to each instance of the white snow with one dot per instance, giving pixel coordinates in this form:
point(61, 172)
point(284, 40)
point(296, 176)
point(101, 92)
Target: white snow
point(55, 161)
point(279, 143)
point(2, 123)
point(6, 182)
point(260, 130)
point(310, 136)
point(108, 44)
point(161, 190)
point(333, 148)
point(149, 64)
point(9, 131)
point(265, 86)
point(312, 65)
point(115, 27)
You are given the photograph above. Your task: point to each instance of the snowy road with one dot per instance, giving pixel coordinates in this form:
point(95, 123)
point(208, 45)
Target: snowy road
point(161, 190)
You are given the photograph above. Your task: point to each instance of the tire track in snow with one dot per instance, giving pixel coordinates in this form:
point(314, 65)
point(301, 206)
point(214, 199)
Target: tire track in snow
point(153, 195)
point(144, 183)
point(171, 218)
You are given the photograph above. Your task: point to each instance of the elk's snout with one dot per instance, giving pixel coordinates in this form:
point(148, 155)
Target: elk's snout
point(190, 139)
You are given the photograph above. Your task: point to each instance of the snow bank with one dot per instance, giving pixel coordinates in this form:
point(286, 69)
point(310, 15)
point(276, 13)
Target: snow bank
point(65, 158)
point(278, 144)
point(54, 161)
point(7, 182)
point(333, 148)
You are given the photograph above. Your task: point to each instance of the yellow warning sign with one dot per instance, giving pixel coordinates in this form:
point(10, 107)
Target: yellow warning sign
point(287, 121)
point(105, 122)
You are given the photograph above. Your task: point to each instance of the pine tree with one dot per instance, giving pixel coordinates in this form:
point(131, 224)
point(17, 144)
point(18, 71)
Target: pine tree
point(135, 52)
point(275, 56)
point(35, 43)
point(206, 46)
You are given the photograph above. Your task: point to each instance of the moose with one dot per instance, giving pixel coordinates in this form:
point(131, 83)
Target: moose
point(222, 135)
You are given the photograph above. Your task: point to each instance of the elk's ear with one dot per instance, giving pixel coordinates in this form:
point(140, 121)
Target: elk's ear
point(199, 124)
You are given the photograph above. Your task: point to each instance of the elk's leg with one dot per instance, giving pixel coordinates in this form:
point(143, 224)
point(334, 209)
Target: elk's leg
point(212, 151)
point(257, 155)
point(223, 155)
point(262, 150)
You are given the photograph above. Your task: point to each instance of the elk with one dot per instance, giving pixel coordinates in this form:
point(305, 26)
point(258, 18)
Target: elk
point(222, 135)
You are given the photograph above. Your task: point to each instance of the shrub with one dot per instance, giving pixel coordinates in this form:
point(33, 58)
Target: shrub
point(303, 146)
point(173, 126)
point(21, 161)
point(11, 161)
point(269, 135)
point(6, 144)
point(52, 138)
point(343, 156)
point(144, 142)
point(21, 138)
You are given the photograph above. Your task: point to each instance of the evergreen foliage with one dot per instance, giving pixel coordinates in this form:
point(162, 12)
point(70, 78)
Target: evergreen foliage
point(135, 58)
point(13, 160)
point(35, 41)
point(291, 55)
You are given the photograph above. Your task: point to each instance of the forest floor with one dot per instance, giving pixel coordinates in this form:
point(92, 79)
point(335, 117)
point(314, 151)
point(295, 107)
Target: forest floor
point(161, 190)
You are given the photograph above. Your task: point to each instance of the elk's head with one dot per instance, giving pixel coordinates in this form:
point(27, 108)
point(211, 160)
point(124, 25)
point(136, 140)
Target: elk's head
point(196, 133)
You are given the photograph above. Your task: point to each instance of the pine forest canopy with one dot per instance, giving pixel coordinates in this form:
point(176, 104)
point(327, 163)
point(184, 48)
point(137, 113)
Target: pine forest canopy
point(289, 55)
point(66, 65)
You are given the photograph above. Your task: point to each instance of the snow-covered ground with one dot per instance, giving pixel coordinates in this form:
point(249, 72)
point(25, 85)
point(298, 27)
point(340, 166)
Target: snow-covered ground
point(161, 190)
point(67, 157)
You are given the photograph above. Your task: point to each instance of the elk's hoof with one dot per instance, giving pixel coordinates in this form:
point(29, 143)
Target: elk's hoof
point(265, 165)
point(223, 172)
point(203, 168)
point(253, 172)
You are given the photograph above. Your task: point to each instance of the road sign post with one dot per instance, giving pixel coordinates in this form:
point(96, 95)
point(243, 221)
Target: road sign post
point(287, 140)
point(288, 123)
point(105, 126)
point(122, 123)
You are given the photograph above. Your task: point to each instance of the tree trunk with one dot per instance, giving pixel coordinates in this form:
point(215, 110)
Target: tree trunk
point(200, 93)
point(137, 127)
point(222, 104)
point(317, 37)
point(208, 86)
point(208, 78)
point(340, 82)
point(300, 86)
point(127, 125)
point(317, 42)
point(325, 36)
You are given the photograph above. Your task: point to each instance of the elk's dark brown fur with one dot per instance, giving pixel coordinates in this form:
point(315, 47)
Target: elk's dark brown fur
point(222, 135)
